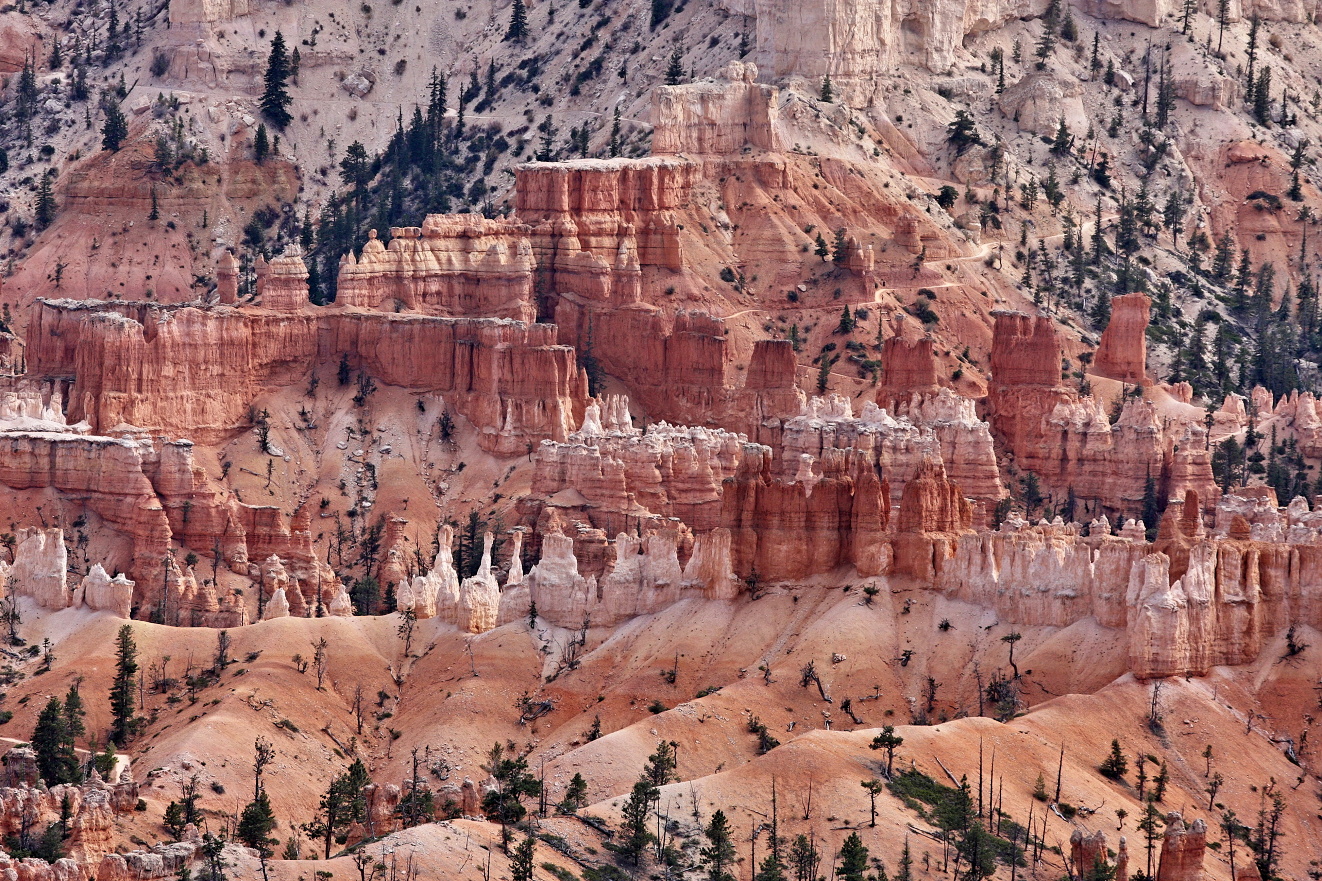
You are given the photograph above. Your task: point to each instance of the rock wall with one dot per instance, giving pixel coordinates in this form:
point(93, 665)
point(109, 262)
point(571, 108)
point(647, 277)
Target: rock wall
point(941, 427)
point(644, 577)
point(151, 495)
point(1068, 440)
point(716, 118)
point(1187, 603)
point(461, 265)
point(1122, 353)
point(195, 370)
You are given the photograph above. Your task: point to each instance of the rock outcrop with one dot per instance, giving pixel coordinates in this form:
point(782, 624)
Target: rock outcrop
point(717, 118)
point(461, 265)
point(1182, 849)
point(1122, 353)
point(1068, 440)
point(195, 370)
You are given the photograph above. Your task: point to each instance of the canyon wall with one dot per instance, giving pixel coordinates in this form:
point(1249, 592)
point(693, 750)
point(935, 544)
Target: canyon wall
point(458, 266)
point(1068, 440)
point(195, 370)
point(1122, 353)
point(1191, 601)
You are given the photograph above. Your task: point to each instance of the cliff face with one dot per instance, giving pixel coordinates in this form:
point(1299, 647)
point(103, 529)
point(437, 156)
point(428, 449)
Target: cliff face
point(1122, 353)
point(454, 265)
point(1188, 603)
point(1068, 441)
point(195, 370)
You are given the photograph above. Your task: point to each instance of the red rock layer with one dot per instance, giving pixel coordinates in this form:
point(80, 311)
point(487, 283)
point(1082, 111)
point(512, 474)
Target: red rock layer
point(1122, 353)
point(461, 265)
point(933, 511)
point(1069, 442)
point(194, 371)
point(908, 367)
point(1182, 850)
point(786, 531)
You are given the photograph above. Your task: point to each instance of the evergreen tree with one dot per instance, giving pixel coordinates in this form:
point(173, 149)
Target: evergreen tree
point(889, 741)
point(1115, 765)
point(275, 97)
point(523, 859)
point(615, 133)
point(905, 872)
point(73, 717)
point(828, 92)
point(675, 69)
point(45, 208)
point(719, 854)
point(1262, 96)
point(962, 133)
point(256, 824)
point(822, 250)
point(513, 783)
point(116, 127)
point(804, 859)
point(574, 795)
point(261, 144)
point(27, 93)
point(853, 862)
point(1060, 144)
point(840, 249)
point(1252, 52)
point(124, 724)
point(341, 806)
point(56, 762)
point(1046, 44)
point(518, 29)
point(636, 812)
point(847, 321)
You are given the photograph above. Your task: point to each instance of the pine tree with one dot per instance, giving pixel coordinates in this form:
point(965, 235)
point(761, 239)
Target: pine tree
point(518, 29)
point(853, 863)
point(889, 741)
point(155, 213)
point(56, 56)
point(1115, 765)
point(574, 795)
point(45, 209)
point(521, 863)
point(56, 762)
point(847, 321)
point(1262, 96)
point(906, 863)
point(615, 133)
point(636, 813)
point(256, 824)
point(275, 98)
point(123, 722)
point(1060, 144)
point(840, 249)
point(1252, 52)
point(804, 859)
point(719, 854)
point(675, 69)
point(116, 127)
point(828, 93)
point(261, 144)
